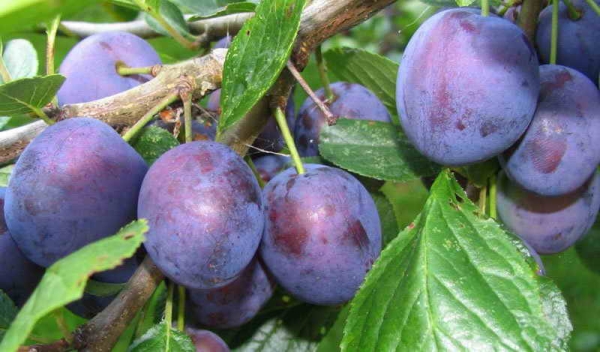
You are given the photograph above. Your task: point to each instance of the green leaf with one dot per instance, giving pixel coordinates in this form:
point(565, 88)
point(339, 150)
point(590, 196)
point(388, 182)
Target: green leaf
point(299, 328)
point(588, 248)
point(28, 94)
point(126, 3)
point(479, 173)
point(20, 59)
point(153, 142)
point(236, 7)
point(103, 289)
point(172, 15)
point(4, 121)
point(463, 3)
point(374, 149)
point(452, 281)
point(8, 312)
point(65, 280)
point(204, 8)
point(389, 226)
point(256, 56)
point(162, 337)
point(5, 173)
point(20, 14)
point(373, 71)
point(153, 310)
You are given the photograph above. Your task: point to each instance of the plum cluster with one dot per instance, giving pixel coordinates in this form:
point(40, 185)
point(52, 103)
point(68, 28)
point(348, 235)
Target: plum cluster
point(470, 88)
point(213, 229)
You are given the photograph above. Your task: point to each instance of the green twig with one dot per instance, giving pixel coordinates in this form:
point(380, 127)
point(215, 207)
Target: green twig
point(250, 163)
point(62, 325)
point(42, 115)
point(169, 313)
point(554, 34)
point(594, 6)
point(574, 13)
point(482, 199)
point(493, 192)
point(180, 308)
point(187, 114)
point(485, 8)
point(323, 74)
point(51, 29)
point(146, 118)
point(125, 70)
point(289, 140)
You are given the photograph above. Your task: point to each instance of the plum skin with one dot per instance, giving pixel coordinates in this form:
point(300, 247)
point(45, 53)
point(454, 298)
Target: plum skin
point(236, 303)
point(75, 183)
point(206, 341)
point(322, 233)
point(577, 40)
point(207, 183)
point(90, 66)
point(351, 101)
point(467, 87)
point(548, 224)
point(561, 138)
point(18, 276)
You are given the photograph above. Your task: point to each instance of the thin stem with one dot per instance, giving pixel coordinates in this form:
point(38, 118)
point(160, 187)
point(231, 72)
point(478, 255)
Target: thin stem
point(528, 17)
point(187, 114)
point(50, 40)
point(66, 31)
point(324, 109)
point(42, 115)
point(485, 8)
point(146, 118)
point(493, 192)
point(554, 34)
point(289, 140)
point(574, 13)
point(323, 74)
point(166, 26)
point(169, 312)
point(594, 6)
point(180, 308)
point(124, 70)
point(483, 199)
point(250, 163)
point(62, 325)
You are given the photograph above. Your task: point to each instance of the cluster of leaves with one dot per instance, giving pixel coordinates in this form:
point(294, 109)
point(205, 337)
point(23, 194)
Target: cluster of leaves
point(452, 279)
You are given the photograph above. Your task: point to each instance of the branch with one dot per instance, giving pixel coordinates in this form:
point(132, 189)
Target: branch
point(13, 141)
point(212, 27)
point(103, 331)
point(528, 17)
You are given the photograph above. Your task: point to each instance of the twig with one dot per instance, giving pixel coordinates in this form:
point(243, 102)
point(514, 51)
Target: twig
point(135, 129)
point(528, 17)
point(62, 325)
point(187, 115)
point(324, 109)
point(58, 346)
point(322, 67)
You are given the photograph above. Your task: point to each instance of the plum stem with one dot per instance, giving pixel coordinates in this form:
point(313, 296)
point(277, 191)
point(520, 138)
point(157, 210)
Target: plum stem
point(125, 70)
point(42, 115)
point(528, 17)
point(483, 199)
point(324, 109)
point(574, 12)
point(594, 6)
point(62, 325)
point(493, 192)
point(169, 313)
point(250, 163)
point(148, 116)
point(322, 67)
point(289, 140)
point(51, 30)
point(187, 114)
point(485, 8)
point(554, 34)
point(180, 308)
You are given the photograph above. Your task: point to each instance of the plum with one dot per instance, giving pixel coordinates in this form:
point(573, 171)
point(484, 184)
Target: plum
point(75, 183)
point(205, 212)
point(577, 39)
point(270, 138)
point(322, 233)
point(18, 275)
point(235, 303)
point(206, 341)
point(548, 224)
point(559, 150)
point(270, 165)
point(90, 67)
point(467, 87)
point(351, 101)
